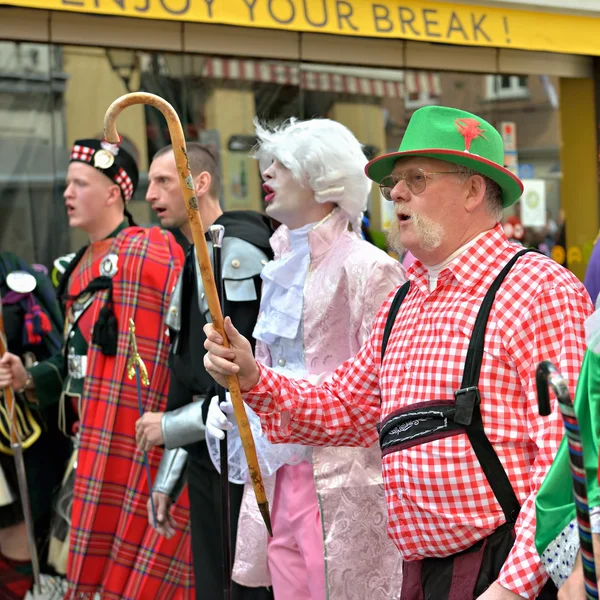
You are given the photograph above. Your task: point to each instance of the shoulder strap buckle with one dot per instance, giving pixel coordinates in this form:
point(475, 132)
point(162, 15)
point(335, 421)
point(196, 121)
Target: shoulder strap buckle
point(466, 401)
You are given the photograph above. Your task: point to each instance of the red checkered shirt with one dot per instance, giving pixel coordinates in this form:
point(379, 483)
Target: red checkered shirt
point(439, 501)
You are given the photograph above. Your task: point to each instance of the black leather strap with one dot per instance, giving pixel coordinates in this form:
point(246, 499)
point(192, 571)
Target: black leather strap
point(475, 351)
point(486, 455)
point(389, 323)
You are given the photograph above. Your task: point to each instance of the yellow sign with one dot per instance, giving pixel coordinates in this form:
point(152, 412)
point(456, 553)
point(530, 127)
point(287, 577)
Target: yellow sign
point(448, 23)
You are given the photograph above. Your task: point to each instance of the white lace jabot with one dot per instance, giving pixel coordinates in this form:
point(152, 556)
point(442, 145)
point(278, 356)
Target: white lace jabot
point(283, 290)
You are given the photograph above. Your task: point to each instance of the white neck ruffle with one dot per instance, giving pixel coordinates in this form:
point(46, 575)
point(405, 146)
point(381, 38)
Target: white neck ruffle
point(283, 290)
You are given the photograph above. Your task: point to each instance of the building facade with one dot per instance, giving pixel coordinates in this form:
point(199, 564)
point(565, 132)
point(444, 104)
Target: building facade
point(527, 67)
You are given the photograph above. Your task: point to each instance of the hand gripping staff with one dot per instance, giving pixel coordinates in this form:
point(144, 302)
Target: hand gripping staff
point(187, 185)
point(548, 375)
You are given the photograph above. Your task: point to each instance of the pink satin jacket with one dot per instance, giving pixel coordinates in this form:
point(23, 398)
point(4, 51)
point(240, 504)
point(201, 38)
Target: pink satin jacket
point(347, 283)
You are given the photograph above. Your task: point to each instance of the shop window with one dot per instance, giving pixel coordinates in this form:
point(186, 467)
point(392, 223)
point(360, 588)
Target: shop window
point(506, 87)
point(32, 154)
point(422, 88)
point(414, 100)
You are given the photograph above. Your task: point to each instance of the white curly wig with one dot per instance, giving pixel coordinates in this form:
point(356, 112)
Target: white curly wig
point(322, 154)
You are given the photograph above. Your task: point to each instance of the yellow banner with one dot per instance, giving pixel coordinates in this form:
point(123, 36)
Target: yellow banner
point(409, 19)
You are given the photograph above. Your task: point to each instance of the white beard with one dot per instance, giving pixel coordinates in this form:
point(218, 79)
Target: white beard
point(429, 233)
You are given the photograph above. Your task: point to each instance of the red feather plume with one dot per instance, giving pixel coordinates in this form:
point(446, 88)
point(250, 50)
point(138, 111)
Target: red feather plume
point(470, 129)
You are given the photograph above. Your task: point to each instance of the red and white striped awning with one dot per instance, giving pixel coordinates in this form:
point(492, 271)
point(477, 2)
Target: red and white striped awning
point(422, 81)
point(350, 84)
point(251, 70)
point(285, 73)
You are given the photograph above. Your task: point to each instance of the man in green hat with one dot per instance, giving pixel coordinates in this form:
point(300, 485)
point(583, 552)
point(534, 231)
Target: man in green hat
point(446, 378)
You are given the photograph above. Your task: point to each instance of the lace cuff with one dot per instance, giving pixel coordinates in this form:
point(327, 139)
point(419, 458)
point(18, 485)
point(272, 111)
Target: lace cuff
point(270, 456)
point(595, 519)
point(559, 557)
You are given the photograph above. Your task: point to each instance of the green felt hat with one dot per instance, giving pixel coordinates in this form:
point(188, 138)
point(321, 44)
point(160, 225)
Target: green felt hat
point(455, 136)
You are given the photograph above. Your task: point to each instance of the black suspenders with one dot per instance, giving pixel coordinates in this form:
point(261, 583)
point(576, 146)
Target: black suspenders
point(441, 418)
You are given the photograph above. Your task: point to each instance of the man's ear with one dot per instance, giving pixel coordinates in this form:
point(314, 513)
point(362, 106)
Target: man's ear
point(475, 192)
point(202, 184)
point(114, 195)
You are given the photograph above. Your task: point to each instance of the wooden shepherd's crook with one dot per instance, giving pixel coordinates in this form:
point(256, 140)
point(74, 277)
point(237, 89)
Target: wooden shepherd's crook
point(187, 184)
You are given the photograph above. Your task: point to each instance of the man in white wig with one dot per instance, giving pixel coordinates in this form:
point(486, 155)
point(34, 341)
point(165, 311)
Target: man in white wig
point(320, 297)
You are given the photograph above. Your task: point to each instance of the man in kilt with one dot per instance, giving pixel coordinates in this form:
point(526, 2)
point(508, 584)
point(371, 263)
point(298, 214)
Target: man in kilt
point(102, 539)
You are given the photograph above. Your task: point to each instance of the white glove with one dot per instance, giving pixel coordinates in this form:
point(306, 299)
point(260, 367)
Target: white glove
point(220, 418)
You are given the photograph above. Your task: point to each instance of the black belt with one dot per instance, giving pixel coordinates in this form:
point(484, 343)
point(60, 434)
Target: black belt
point(427, 421)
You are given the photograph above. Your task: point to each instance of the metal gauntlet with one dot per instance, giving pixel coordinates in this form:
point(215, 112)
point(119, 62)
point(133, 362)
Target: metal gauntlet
point(183, 426)
point(170, 477)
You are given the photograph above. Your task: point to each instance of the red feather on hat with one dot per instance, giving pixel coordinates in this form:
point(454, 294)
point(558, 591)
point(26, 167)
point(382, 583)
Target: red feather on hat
point(470, 129)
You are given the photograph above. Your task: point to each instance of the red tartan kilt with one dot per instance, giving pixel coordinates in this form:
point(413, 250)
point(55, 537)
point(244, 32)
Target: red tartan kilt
point(113, 549)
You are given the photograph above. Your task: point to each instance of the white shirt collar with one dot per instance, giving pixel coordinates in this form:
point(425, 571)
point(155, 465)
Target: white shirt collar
point(435, 270)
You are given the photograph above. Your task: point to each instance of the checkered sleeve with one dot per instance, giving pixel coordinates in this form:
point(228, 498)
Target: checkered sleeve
point(340, 412)
point(552, 330)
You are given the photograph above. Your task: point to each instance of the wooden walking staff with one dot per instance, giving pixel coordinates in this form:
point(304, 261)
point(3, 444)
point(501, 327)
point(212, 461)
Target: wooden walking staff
point(187, 184)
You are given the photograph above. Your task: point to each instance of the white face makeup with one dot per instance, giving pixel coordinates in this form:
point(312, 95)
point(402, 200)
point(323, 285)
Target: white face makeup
point(286, 198)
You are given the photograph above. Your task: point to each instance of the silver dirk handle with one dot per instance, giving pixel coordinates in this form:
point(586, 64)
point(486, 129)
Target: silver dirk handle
point(216, 233)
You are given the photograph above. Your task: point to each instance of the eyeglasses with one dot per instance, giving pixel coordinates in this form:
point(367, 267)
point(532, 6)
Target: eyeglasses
point(415, 179)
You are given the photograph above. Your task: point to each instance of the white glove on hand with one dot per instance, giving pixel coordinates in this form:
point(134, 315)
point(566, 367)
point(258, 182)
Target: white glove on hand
point(220, 418)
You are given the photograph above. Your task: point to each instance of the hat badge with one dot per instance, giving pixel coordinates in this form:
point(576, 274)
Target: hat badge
point(103, 159)
point(470, 129)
